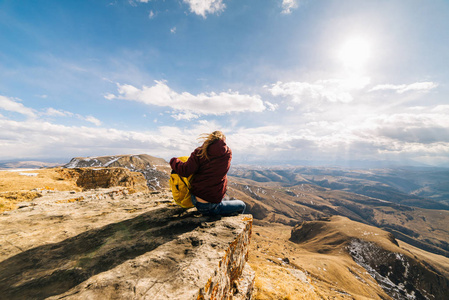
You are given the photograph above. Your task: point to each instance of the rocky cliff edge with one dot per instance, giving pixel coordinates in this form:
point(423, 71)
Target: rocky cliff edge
point(107, 243)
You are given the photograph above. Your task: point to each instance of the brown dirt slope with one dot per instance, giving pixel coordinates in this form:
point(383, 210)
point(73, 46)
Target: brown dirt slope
point(337, 258)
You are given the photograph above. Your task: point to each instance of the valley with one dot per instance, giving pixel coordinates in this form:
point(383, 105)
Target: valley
point(288, 197)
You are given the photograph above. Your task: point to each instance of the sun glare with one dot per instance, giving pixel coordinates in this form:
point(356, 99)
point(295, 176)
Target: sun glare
point(355, 53)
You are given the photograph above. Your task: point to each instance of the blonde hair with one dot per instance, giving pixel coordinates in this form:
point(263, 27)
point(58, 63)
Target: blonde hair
point(208, 139)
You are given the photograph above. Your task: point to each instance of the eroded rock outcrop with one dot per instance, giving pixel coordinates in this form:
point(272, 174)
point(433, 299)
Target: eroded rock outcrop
point(91, 178)
point(155, 170)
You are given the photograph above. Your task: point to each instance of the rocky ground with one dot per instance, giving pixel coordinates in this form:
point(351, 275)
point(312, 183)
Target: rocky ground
point(113, 243)
point(64, 214)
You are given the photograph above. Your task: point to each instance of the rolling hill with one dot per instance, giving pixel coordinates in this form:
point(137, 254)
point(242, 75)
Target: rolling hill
point(336, 258)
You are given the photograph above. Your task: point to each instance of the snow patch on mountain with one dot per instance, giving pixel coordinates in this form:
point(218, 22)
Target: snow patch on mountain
point(390, 270)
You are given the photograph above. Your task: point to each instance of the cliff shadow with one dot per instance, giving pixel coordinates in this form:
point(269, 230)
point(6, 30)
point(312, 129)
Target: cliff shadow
point(53, 269)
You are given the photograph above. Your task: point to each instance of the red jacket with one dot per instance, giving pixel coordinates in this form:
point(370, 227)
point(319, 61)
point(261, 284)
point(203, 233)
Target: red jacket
point(209, 180)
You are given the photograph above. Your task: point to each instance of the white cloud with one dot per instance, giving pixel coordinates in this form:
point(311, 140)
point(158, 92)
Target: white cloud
point(12, 105)
point(109, 96)
point(202, 104)
point(356, 135)
point(173, 30)
point(185, 116)
point(36, 138)
point(298, 91)
point(57, 113)
point(62, 113)
point(443, 109)
point(331, 90)
point(92, 120)
point(133, 2)
point(271, 106)
point(204, 7)
point(289, 5)
point(425, 126)
point(151, 14)
point(402, 88)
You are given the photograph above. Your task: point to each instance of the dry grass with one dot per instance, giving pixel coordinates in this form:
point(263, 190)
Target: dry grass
point(286, 270)
point(71, 200)
point(319, 266)
point(277, 282)
point(440, 262)
point(272, 258)
point(19, 186)
point(432, 225)
point(50, 179)
point(9, 200)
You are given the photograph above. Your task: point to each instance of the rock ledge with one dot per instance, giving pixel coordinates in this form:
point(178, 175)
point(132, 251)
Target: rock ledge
point(122, 246)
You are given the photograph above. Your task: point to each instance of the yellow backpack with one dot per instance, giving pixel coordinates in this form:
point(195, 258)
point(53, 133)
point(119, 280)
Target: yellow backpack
point(180, 187)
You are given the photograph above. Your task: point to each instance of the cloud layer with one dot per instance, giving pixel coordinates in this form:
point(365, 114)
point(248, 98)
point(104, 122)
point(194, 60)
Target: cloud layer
point(331, 120)
point(402, 88)
point(332, 90)
point(189, 106)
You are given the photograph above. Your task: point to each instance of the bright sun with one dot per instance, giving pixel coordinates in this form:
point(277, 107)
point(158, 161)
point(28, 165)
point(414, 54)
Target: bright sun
point(355, 53)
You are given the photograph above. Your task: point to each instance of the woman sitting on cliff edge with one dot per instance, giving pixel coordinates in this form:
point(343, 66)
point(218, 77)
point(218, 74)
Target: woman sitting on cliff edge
point(209, 164)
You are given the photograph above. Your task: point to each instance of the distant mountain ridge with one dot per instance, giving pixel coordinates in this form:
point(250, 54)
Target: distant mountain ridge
point(155, 170)
point(418, 187)
point(27, 164)
point(282, 196)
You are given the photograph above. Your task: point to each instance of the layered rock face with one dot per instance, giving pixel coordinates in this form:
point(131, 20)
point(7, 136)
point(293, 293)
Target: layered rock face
point(91, 178)
point(111, 244)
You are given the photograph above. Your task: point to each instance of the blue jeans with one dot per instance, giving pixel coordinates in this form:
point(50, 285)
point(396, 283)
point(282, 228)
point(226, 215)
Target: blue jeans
point(224, 208)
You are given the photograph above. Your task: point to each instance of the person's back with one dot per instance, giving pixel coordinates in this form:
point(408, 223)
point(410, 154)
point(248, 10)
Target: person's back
point(209, 164)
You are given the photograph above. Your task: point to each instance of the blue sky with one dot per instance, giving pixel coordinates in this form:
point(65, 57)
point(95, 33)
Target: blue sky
point(317, 81)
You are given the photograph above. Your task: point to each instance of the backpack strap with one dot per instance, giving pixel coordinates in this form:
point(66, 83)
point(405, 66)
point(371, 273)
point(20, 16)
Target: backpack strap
point(180, 177)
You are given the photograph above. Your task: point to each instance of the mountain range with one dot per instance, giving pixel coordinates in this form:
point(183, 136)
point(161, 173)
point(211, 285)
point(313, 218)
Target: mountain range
point(376, 198)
